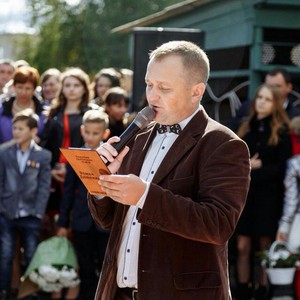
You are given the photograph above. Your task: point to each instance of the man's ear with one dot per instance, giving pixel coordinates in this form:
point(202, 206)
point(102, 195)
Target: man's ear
point(198, 91)
point(106, 134)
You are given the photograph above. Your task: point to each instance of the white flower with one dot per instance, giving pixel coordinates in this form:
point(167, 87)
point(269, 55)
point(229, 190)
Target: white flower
point(284, 254)
point(53, 287)
point(52, 279)
point(274, 256)
point(273, 263)
point(41, 282)
point(68, 277)
point(73, 283)
point(67, 274)
point(33, 276)
point(50, 273)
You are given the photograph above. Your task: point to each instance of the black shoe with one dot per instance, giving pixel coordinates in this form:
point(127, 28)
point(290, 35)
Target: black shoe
point(3, 295)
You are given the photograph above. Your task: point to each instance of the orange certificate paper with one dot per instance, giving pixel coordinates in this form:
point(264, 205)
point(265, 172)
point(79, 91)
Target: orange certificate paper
point(88, 165)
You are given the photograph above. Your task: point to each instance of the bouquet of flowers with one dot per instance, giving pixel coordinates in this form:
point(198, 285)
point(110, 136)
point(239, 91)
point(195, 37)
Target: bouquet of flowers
point(52, 268)
point(52, 279)
point(278, 256)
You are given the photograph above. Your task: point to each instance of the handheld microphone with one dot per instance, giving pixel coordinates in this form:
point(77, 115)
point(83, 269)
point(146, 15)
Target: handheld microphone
point(142, 119)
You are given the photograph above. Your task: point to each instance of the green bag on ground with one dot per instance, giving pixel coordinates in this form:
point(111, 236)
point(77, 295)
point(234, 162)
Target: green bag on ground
point(55, 251)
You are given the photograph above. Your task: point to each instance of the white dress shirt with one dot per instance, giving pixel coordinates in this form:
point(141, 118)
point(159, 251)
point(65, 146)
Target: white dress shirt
point(22, 159)
point(129, 247)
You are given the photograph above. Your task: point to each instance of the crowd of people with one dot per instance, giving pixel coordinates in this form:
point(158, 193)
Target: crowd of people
point(168, 223)
point(265, 124)
point(40, 196)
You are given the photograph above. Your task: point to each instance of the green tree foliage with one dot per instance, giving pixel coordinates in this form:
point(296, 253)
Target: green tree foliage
point(80, 35)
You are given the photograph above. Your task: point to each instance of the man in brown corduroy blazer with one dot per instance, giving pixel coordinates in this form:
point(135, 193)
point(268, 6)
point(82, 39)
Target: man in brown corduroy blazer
point(174, 196)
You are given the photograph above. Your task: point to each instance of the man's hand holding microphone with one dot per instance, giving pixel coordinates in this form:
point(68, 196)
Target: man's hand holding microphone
point(126, 189)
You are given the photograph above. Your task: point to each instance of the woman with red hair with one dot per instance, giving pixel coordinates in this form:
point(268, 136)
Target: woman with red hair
point(25, 81)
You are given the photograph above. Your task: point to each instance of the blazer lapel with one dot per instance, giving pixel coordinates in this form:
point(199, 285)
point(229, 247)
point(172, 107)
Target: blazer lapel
point(13, 157)
point(32, 157)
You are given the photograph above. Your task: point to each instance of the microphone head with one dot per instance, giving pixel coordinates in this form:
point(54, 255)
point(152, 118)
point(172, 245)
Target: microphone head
point(144, 117)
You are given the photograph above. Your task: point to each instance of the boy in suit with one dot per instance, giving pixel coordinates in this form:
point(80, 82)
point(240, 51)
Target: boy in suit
point(88, 239)
point(24, 190)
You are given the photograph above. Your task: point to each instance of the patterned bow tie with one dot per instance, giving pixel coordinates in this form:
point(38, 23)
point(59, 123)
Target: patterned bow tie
point(169, 128)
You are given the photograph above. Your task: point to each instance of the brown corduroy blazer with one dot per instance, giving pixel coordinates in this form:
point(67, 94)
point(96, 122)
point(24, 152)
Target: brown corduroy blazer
point(191, 210)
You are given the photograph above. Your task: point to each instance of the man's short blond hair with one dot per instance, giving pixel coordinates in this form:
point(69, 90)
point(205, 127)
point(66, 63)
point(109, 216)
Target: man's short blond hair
point(194, 59)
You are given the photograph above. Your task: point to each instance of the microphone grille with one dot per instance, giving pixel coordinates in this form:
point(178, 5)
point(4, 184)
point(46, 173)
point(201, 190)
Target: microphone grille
point(144, 117)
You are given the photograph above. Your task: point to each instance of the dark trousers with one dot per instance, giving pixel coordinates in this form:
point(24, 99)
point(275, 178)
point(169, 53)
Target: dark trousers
point(29, 230)
point(90, 248)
